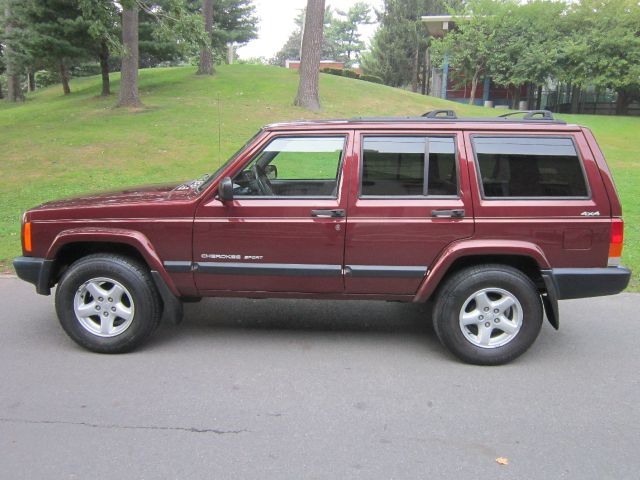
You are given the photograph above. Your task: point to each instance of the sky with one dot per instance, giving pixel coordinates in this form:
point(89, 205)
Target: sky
point(277, 22)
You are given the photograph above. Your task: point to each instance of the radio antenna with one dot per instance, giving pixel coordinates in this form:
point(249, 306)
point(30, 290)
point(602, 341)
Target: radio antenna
point(219, 135)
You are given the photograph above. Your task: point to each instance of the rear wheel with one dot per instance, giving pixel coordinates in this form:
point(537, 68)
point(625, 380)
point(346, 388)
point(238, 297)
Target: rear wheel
point(488, 314)
point(108, 303)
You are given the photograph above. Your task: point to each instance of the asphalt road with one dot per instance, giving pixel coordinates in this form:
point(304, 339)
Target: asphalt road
point(248, 389)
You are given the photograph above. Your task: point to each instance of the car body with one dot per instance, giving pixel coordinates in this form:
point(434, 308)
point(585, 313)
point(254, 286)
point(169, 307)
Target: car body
point(381, 209)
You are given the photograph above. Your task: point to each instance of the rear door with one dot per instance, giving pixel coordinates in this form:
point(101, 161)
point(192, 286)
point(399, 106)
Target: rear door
point(284, 229)
point(409, 199)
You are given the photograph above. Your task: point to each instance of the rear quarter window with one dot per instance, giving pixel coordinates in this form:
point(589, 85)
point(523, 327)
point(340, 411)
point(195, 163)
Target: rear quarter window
point(529, 167)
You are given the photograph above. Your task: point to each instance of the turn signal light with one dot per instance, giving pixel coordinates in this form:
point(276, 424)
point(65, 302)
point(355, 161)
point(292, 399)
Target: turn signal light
point(617, 237)
point(26, 237)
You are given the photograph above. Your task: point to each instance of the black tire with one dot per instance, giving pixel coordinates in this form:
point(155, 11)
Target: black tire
point(145, 306)
point(493, 280)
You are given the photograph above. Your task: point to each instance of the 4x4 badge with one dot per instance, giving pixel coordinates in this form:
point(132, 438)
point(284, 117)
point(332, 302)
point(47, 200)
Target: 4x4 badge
point(590, 214)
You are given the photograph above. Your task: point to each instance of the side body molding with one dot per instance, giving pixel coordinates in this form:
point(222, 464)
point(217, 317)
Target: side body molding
point(132, 238)
point(476, 248)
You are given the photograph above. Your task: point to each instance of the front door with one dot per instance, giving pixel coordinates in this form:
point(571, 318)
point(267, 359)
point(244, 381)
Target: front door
point(284, 230)
point(408, 201)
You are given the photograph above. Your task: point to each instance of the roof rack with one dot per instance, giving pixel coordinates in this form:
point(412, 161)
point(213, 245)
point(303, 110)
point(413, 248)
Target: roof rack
point(449, 114)
point(531, 114)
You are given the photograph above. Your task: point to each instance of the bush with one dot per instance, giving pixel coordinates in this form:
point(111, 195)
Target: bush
point(350, 73)
point(371, 78)
point(85, 70)
point(44, 78)
point(332, 71)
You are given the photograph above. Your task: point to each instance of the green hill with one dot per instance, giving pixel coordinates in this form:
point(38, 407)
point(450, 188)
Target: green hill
point(55, 146)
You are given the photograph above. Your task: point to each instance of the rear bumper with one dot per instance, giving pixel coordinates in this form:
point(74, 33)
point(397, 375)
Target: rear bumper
point(587, 282)
point(36, 271)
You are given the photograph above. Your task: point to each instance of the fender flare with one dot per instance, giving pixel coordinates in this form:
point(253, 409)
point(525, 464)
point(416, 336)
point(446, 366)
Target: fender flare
point(475, 248)
point(133, 238)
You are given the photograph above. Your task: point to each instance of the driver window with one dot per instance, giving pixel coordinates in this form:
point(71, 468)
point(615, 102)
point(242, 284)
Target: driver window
point(293, 167)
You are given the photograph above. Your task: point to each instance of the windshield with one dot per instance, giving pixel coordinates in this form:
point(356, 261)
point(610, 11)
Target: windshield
point(210, 178)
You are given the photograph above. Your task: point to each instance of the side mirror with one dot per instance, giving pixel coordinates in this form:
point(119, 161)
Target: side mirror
point(271, 171)
point(225, 189)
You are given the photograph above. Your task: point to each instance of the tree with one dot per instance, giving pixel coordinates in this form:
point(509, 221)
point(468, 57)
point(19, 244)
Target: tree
point(103, 18)
point(55, 36)
point(526, 44)
point(291, 49)
point(205, 66)
point(602, 48)
point(398, 48)
point(343, 33)
point(129, 96)
point(14, 90)
point(2, 70)
point(235, 24)
point(307, 96)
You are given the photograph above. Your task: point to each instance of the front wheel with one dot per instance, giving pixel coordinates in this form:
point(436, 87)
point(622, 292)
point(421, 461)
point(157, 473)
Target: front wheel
point(488, 314)
point(108, 303)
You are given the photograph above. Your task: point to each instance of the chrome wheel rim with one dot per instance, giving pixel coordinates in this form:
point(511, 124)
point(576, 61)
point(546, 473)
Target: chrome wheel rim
point(104, 307)
point(491, 318)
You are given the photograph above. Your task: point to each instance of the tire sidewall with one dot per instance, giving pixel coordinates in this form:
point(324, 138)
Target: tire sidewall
point(447, 320)
point(131, 276)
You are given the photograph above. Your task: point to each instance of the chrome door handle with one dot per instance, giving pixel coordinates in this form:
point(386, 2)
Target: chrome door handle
point(447, 213)
point(327, 213)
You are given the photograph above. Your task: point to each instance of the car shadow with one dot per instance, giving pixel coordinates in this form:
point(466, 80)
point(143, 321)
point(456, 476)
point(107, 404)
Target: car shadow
point(304, 316)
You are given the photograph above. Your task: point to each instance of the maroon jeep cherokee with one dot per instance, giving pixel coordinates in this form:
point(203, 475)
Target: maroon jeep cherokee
point(494, 220)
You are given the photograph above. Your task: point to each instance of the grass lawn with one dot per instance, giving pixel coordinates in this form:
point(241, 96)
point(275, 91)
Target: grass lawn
point(54, 146)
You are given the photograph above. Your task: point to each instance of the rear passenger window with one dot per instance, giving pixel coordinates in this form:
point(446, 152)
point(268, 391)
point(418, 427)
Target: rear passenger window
point(409, 166)
point(529, 167)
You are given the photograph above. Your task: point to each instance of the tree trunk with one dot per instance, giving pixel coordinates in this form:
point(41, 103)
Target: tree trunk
point(622, 103)
point(231, 53)
point(516, 97)
point(423, 74)
point(427, 63)
point(104, 68)
point(205, 66)
point(474, 86)
point(31, 77)
point(14, 90)
point(64, 76)
point(307, 96)
point(129, 72)
point(1, 94)
point(539, 98)
point(575, 98)
point(416, 69)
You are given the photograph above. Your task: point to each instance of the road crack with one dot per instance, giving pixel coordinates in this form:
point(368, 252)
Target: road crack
point(122, 427)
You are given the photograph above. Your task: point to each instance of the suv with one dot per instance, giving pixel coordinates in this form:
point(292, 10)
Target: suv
point(493, 220)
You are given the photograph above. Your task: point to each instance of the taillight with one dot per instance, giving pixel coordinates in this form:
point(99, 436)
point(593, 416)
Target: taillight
point(26, 237)
point(617, 237)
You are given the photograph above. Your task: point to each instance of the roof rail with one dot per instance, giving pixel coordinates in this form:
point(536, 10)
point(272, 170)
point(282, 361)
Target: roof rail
point(450, 114)
point(531, 114)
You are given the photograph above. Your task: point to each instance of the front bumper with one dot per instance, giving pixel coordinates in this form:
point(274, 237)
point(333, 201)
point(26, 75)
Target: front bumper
point(587, 282)
point(36, 271)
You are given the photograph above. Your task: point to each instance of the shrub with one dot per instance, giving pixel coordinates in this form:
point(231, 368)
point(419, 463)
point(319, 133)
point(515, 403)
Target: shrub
point(44, 78)
point(350, 73)
point(85, 70)
point(371, 78)
point(332, 71)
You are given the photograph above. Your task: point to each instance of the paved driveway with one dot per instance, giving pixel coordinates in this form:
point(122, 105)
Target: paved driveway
point(328, 390)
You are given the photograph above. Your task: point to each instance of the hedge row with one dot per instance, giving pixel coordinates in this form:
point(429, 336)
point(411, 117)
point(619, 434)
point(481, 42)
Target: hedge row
point(351, 74)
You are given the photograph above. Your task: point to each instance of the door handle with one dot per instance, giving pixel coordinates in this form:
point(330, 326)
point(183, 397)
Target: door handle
point(327, 213)
point(447, 213)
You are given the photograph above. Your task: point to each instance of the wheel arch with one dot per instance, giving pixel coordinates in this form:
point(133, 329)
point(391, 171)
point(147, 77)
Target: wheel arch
point(523, 256)
point(71, 245)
